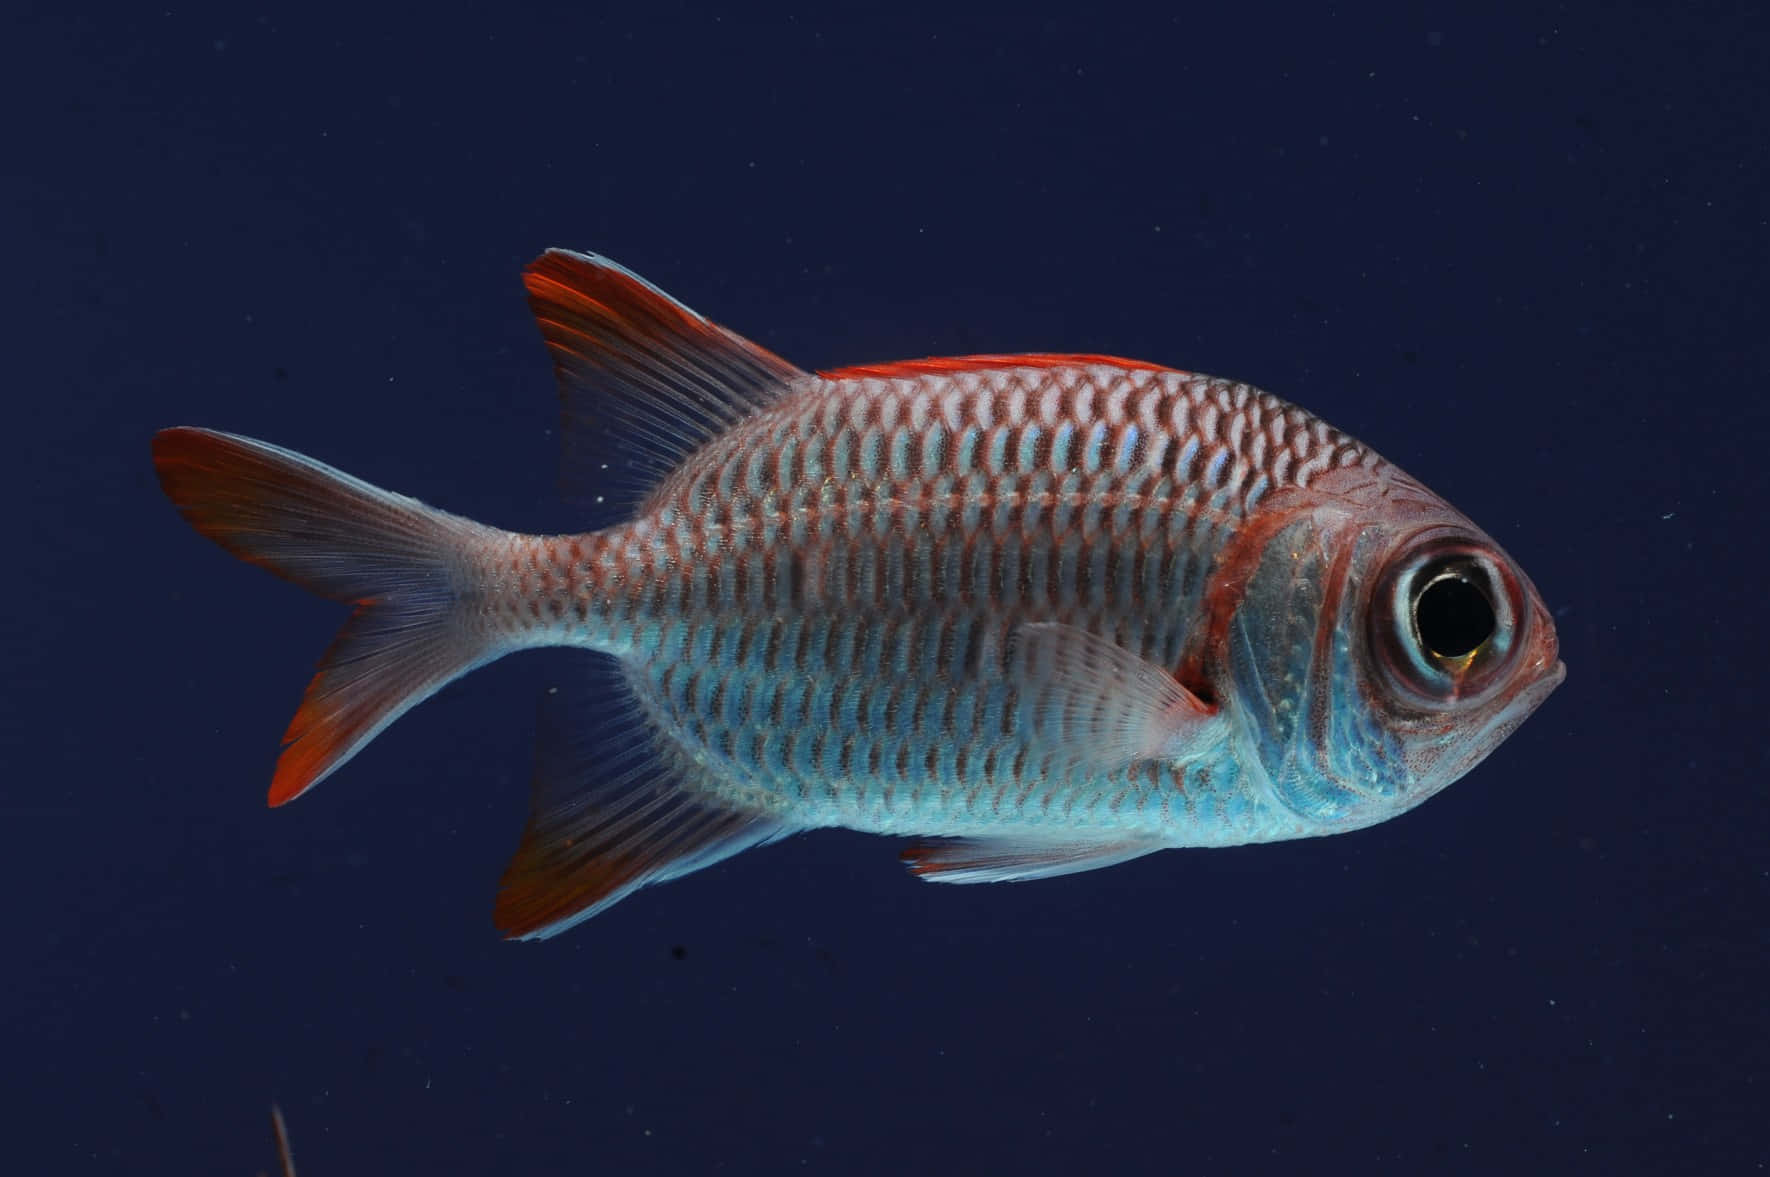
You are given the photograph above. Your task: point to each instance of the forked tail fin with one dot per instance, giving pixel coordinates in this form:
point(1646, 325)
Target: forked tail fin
point(405, 566)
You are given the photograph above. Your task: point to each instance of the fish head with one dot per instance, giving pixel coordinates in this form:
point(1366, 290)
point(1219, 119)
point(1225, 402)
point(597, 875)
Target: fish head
point(1378, 646)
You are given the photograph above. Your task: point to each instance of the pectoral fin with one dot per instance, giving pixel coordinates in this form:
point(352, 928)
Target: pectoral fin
point(1102, 704)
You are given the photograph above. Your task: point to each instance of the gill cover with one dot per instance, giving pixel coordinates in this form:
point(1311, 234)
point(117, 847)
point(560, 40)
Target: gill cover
point(1294, 658)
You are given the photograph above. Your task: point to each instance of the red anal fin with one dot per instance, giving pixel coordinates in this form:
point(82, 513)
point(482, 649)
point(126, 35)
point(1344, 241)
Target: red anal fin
point(605, 821)
point(572, 866)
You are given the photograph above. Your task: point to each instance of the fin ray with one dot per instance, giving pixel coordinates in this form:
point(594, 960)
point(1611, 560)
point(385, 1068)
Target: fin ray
point(401, 563)
point(1103, 704)
point(1010, 858)
point(643, 380)
point(952, 365)
point(606, 818)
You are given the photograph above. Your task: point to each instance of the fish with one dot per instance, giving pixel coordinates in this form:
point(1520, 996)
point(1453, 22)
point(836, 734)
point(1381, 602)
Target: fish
point(1038, 614)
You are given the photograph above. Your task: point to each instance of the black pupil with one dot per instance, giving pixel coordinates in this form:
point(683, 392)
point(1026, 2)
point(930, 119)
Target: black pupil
point(1453, 616)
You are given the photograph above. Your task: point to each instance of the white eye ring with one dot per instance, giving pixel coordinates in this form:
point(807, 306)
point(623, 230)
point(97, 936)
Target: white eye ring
point(1446, 621)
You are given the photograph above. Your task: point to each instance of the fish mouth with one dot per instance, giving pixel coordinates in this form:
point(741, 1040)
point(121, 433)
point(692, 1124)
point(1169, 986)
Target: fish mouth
point(1506, 720)
point(1531, 697)
point(1547, 671)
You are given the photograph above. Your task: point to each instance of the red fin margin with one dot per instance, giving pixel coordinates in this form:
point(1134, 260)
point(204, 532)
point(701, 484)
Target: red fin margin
point(607, 818)
point(949, 365)
point(396, 559)
point(643, 380)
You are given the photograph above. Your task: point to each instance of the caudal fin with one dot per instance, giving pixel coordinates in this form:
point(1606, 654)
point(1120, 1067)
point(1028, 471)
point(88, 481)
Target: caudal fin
point(405, 566)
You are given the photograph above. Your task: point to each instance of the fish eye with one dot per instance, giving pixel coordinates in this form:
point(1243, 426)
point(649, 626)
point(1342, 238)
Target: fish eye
point(1445, 621)
point(1452, 613)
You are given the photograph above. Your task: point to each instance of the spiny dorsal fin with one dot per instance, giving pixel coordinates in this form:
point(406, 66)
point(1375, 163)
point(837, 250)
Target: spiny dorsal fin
point(640, 375)
point(607, 817)
point(955, 365)
point(1103, 706)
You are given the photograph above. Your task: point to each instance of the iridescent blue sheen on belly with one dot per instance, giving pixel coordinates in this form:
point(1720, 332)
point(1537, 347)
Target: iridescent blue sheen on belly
point(827, 599)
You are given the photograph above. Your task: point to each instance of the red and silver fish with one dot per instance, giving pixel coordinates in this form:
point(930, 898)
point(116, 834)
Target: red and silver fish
point(1045, 613)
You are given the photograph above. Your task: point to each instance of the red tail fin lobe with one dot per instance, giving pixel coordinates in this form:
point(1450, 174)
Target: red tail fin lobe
point(405, 567)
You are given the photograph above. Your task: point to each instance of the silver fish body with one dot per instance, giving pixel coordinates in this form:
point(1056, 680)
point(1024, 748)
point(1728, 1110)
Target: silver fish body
point(1062, 610)
point(821, 606)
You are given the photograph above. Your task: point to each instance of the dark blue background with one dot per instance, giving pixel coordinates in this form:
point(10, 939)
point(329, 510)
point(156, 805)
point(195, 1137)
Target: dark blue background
point(1523, 254)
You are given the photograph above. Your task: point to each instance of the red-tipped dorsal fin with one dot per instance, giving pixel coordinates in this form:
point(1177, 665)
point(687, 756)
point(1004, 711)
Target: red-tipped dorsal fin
point(402, 564)
point(606, 818)
point(643, 380)
point(951, 365)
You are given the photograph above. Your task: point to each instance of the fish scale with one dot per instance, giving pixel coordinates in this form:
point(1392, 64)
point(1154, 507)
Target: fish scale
point(1067, 496)
point(1053, 612)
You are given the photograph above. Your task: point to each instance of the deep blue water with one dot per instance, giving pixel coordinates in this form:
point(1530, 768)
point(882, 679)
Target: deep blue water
point(1523, 254)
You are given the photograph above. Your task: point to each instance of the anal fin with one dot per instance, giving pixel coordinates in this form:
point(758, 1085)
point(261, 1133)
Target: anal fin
point(1015, 858)
point(607, 820)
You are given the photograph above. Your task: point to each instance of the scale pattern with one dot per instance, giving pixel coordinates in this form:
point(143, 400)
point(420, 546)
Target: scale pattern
point(1049, 613)
point(818, 606)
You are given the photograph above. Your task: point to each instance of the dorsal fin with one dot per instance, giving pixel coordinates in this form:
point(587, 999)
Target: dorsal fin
point(643, 380)
point(952, 365)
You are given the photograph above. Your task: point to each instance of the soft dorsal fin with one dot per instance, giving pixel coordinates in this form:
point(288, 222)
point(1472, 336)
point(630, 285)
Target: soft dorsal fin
point(607, 817)
point(640, 375)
